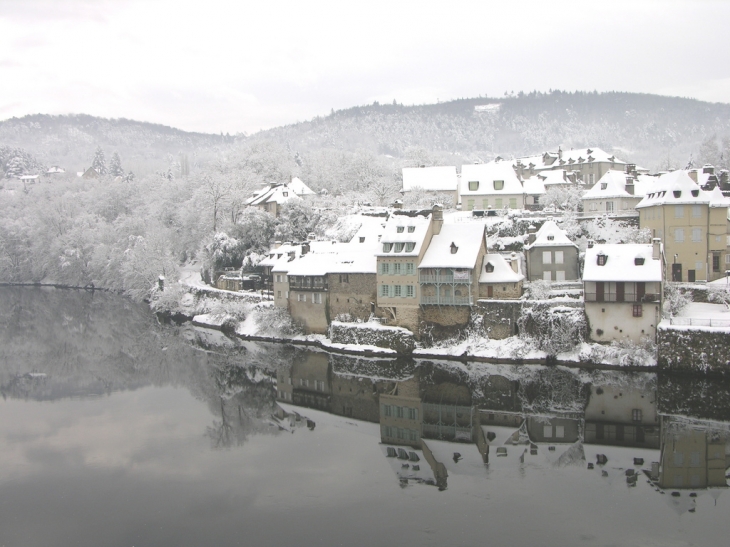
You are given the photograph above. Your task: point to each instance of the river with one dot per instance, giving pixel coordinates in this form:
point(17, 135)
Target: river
point(118, 430)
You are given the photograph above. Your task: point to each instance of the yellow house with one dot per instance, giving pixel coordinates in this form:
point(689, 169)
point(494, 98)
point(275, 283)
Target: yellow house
point(691, 222)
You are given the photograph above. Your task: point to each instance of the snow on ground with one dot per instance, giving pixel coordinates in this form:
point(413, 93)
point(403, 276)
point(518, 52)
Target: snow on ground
point(705, 310)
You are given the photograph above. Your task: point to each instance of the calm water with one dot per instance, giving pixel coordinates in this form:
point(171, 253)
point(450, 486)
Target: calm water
point(115, 430)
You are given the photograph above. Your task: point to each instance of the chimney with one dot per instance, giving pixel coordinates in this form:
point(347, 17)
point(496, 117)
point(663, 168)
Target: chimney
point(629, 186)
point(560, 153)
point(437, 219)
point(692, 174)
point(656, 249)
point(277, 244)
point(305, 248)
point(531, 234)
point(590, 243)
point(514, 263)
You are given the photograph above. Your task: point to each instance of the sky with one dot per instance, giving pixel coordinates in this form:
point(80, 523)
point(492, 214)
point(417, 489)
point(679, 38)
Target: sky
point(218, 66)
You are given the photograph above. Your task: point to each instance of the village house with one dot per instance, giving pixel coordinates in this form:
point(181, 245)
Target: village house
point(616, 193)
point(692, 223)
point(306, 382)
point(500, 277)
point(587, 165)
point(277, 259)
point(623, 287)
point(432, 180)
point(402, 246)
point(493, 185)
point(551, 255)
point(449, 274)
point(272, 196)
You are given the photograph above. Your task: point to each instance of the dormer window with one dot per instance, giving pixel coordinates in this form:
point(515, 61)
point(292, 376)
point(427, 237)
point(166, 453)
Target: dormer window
point(695, 193)
point(639, 261)
point(604, 185)
point(489, 268)
point(498, 184)
point(362, 239)
point(387, 247)
point(399, 229)
point(677, 193)
point(411, 229)
point(473, 185)
point(601, 259)
point(399, 247)
point(551, 237)
point(410, 247)
point(454, 248)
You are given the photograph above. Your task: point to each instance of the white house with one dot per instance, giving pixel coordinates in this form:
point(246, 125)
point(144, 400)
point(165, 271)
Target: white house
point(493, 185)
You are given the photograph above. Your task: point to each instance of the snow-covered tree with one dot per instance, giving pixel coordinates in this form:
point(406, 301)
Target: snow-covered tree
point(99, 162)
point(115, 166)
point(719, 294)
point(675, 299)
point(553, 329)
point(254, 230)
point(296, 221)
point(15, 167)
point(607, 230)
point(709, 151)
point(565, 198)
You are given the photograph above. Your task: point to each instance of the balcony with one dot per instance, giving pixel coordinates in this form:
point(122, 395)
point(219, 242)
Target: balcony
point(630, 298)
point(447, 301)
point(435, 279)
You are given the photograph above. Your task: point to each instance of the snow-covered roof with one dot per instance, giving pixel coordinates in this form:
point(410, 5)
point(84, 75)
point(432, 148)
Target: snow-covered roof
point(678, 188)
point(554, 176)
point(502, 271)
point(550, 235)
point(279, 194)
point(486, 174)
point(412, 230)
point(551, 160)
point(55, 169)
point(621, 263)
point(466, 238)
point(325, 257)
point(613, 185)
point(299, 187)
point(28, 177)
point(434, 179)
point(534, 186)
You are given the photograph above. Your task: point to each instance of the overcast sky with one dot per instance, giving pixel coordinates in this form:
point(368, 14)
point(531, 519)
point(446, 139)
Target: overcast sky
point(242, 66)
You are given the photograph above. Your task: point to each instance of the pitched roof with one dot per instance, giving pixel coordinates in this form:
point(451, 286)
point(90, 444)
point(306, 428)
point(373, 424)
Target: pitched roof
point(412, 230)
point(613, 185)
point(485, 174)
point(551, 235)
point(467, 239)
point(502, 273)
point(299, 187)
point(569, 157)
point(534, 186)
point(620, 263)
point(677, 188)
point(280, 193)
point(441, 178)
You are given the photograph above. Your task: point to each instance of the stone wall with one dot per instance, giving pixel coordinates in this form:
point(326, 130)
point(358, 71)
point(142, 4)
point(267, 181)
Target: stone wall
point(499, 317)
point(372, 334)
point(693, 349)
point(501, 290)
point(351, 294)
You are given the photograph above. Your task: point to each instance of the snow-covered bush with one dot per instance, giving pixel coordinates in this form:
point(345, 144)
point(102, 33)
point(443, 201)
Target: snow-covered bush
point(719, 295)
point(552, 329)
point(674, 300)
point(373, 334)
point(168, 300)
point(625, 352)
point(539, 290)
point(607, 230)
point(275, 321)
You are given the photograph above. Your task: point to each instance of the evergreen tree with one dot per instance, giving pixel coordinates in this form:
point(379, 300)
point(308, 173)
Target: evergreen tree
point(99, 162)
point(115, 166)
point(15, 167)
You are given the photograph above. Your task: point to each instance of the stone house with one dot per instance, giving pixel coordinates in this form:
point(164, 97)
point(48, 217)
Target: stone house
point(500, 277)
point(306, 382)
point(449, 274)
point(551, 255)
point(308, 292)
point(587, 165)
point(623, 287)
point(272, 196)
point(493, 185)
point(692, 223)
point(401, 415)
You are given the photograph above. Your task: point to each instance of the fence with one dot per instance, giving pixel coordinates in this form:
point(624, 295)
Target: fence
point(699, 322)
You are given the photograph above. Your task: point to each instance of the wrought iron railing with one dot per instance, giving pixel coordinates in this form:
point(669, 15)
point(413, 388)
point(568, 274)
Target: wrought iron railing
point(447, 300)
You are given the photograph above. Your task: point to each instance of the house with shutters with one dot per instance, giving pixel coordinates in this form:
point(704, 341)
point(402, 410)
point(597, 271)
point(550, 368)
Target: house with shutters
point(692, 223)
point(493, 185)
point(551, 255)
point(616, 193)
point(271, 197)
point(623, 287)
point(586, 165)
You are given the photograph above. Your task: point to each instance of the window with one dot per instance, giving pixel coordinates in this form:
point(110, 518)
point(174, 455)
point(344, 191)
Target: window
point(678, 459)
point(716, 262)
point(397, 291)
point(410, 270)
point(609, 206)
point(344, 278)
point(727, 259)
point(679, 211)
point(698, 265)
point(473, 185)
point(560, 275)
point(679, 235)
point(470, 205)
point(410, 247)
point(399, 247)
point(636, 415)
point(384, 268)
point(387, 247)
point(604, 185)
point(384, 290)
point(317, 298)
point(411, 229)
point(558, 257)
point(591, 178)
point(387, 410)
point(278, 294)
point(547, 431)
point(638, 310)
point(362, 239)
point(559, 431)
point(547, 276)
point(498, 203)
point(696, 211)
point(412, 413)
point(399, 229)
point(620, 291)
point(410, 293)
point(397, 269)
point(498, 184)
point(489, 268)
point(547, 257)
point(513, 203)
point(696, 235)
